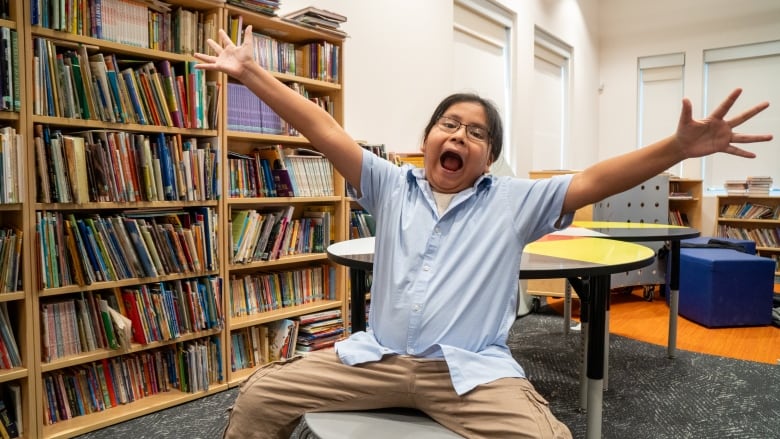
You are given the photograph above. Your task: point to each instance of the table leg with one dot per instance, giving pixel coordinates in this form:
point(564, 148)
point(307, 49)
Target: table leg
point(606, 345)
point(582, 287)
point(599, 292)
point(358, 299)
point(674, 297)
point(566, 307)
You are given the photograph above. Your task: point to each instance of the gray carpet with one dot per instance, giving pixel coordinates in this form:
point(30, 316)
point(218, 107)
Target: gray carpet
point(649, 396)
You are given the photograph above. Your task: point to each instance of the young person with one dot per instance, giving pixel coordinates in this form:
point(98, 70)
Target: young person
point(449, 239)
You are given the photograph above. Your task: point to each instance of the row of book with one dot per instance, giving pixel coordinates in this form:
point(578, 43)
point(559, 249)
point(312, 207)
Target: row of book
point(140, 314)
point(276, 171)
point(361, 224)
point(763, 237)
point(750, 211)
point(11, 421)
point(260, 292)
point(90, 388)
point(678, 218)
point(10, 85)
point(274, 233)
point(247, 112)
point(149, 24)
point(258, 345)
point(119, 166)
point(71, 83)
point(316, 59)
point(83, 324)
point(10, 260)
point(93, 248)
point(11, 166)
point(9, 350)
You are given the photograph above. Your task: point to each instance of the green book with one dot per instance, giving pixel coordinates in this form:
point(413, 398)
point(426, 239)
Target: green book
point(79, 81)
point(17, 100)
point(105, 315)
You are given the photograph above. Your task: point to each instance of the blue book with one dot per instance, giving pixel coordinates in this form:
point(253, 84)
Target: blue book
point(135, 97)
point(140, 247)
point(166, 168)
point(93, 261)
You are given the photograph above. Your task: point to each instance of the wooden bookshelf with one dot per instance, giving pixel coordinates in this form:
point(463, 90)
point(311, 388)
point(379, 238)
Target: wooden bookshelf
point(280, 143)
point(752, 217)
point(17, 297)
point(203, 209)
point(685, 197)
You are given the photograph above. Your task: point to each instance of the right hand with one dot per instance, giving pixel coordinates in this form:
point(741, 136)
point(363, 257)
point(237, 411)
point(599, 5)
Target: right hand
point(230, 58)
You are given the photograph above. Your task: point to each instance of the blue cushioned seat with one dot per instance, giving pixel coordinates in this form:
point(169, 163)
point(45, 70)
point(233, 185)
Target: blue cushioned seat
point(723, 287)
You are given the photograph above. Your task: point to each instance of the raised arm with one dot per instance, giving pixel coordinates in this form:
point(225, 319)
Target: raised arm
point(316, 124)
point(694, 138)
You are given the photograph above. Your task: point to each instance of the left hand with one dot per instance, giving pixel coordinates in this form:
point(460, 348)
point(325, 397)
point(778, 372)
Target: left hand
point(698, 138)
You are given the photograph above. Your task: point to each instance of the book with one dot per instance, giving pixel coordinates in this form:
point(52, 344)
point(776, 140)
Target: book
point(75, 155)
point(282, 335)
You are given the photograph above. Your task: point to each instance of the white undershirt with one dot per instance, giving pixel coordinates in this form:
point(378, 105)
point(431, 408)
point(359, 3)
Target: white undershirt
point(442, 201)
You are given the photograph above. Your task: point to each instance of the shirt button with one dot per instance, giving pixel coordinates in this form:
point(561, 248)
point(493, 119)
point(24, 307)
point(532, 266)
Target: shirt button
point(416, 308)
point(437, 230)
point(426, 268)
point(410, 351)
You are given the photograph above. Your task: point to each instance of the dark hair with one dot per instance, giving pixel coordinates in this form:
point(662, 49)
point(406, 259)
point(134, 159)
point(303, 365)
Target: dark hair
point(494, 127)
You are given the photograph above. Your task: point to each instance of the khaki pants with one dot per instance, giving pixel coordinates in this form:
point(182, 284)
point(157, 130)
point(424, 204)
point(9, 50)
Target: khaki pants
point(272, 400)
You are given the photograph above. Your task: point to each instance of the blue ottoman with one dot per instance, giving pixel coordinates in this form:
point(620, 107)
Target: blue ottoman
point(721, 287)
point(747, 245)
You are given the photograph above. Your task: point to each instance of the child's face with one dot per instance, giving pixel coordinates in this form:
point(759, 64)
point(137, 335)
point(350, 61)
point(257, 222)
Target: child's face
point(455, 159)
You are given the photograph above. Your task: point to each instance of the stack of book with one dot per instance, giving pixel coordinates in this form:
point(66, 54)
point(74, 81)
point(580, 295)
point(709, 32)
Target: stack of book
point(736, 187)
point(319, 330)
point(759, 185)
point(267, 7)
point(318, 18)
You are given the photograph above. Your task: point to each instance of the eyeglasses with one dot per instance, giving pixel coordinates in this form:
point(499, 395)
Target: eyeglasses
point(474, 132)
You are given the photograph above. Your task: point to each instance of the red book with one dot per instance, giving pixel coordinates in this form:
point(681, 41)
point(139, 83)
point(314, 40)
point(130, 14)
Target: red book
point(132, 313)
point(109, 381)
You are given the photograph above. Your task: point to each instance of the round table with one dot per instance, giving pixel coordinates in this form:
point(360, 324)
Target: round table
point(590, 259)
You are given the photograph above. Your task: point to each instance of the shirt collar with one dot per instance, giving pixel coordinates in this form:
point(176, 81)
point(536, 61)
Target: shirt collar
point(483, 182)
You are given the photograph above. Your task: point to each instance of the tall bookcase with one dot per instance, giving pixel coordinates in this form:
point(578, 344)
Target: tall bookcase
point(753, 217)
point(17, 382)
point(170, 234)
point(248, 314)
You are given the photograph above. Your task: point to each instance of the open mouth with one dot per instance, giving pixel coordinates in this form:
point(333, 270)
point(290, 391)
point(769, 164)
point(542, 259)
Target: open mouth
point(451, 161)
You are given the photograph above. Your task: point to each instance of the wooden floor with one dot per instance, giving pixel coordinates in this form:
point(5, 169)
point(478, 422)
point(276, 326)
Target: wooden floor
point(632, 316)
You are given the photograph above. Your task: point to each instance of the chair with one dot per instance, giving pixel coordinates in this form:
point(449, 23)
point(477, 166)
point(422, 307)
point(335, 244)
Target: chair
point(374, 424)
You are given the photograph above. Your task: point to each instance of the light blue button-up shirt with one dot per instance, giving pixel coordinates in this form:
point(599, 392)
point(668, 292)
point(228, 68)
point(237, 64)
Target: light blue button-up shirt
point(446, 286)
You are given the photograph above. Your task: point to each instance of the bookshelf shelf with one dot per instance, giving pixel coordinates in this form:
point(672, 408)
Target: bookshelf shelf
point(279, 314)
point(87, 124)
point(100, 354)
point(119, 414)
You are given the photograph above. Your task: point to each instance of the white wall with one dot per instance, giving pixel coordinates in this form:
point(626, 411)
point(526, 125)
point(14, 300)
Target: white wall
point(630, 29)
point(398, 67)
